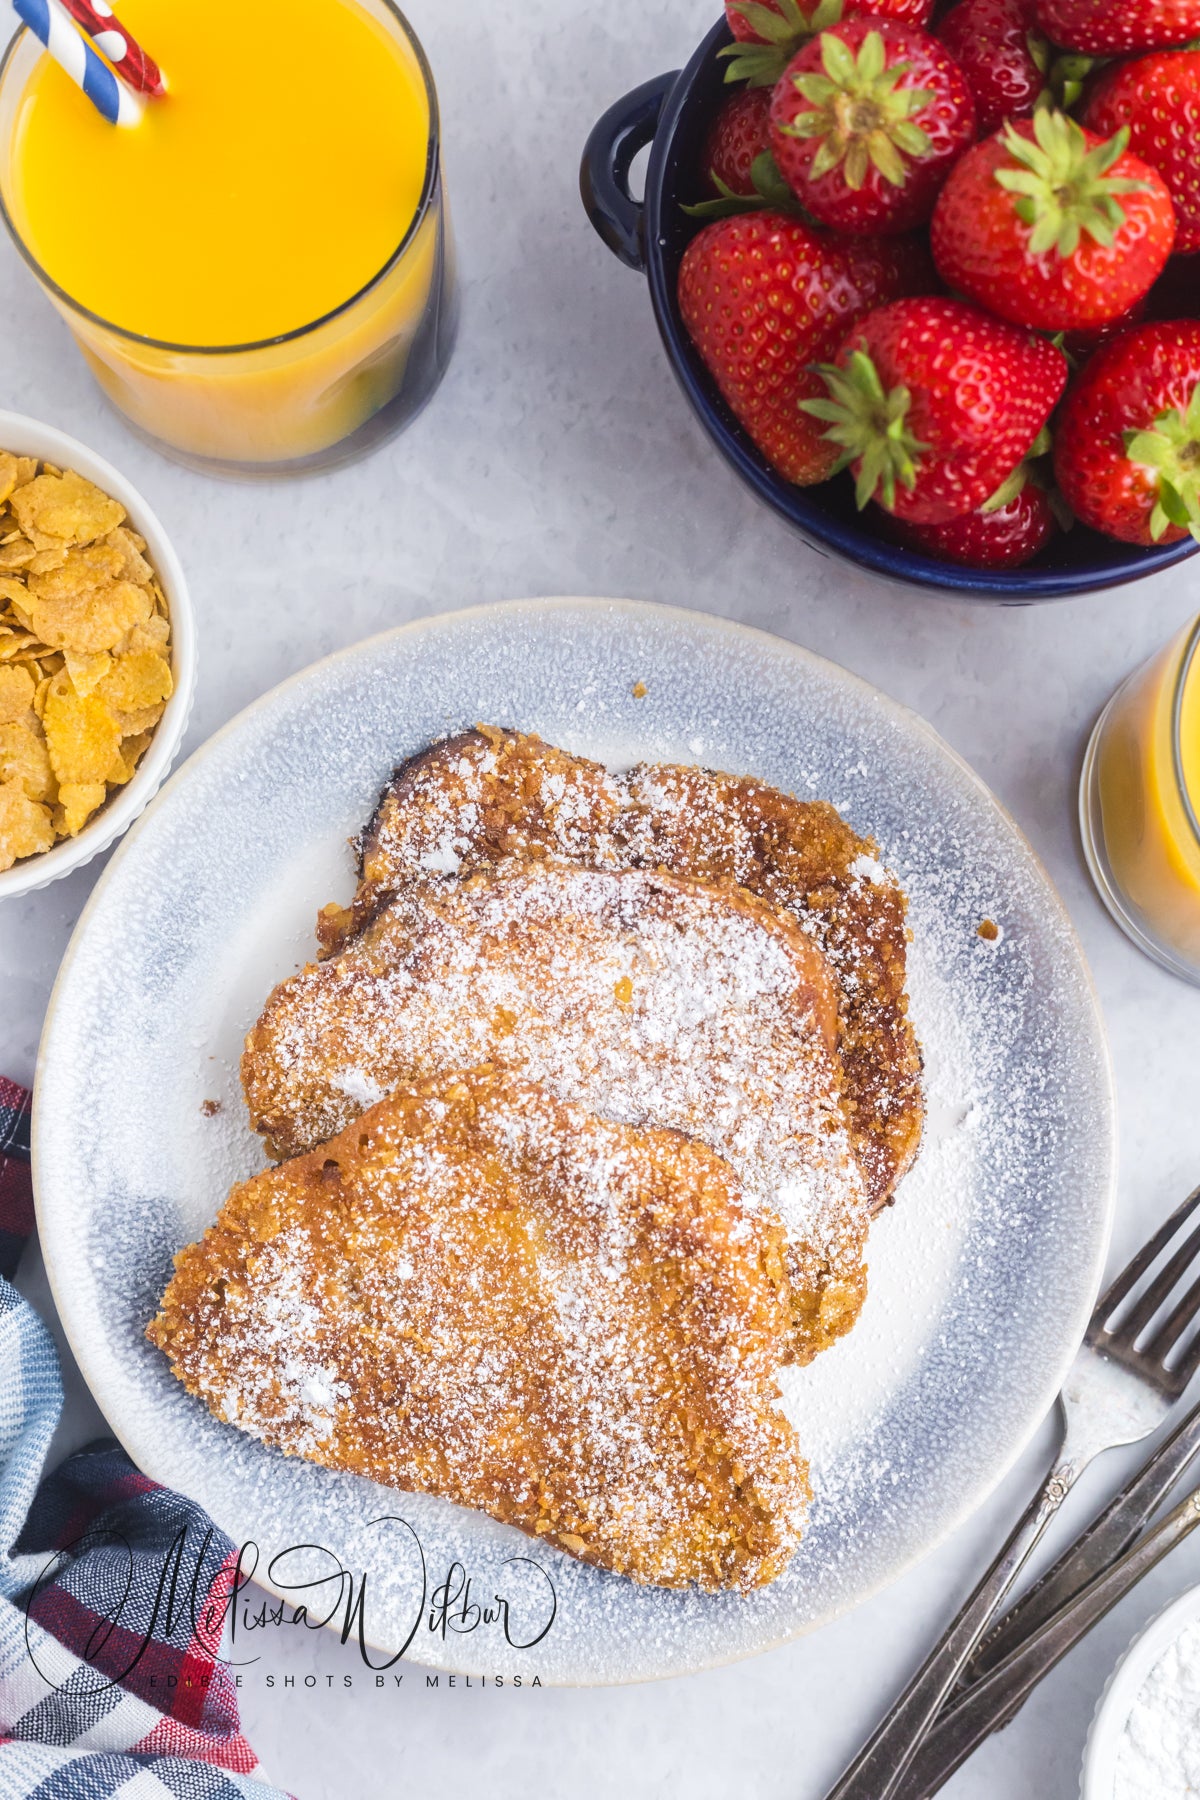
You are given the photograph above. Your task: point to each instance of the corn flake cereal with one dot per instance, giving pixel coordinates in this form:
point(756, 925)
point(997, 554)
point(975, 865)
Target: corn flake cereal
point(55, 511)
point(25, 827)
point(85, 656)
point(25, 760)
point(82, 734)
point(16, 693)
point(76, 804)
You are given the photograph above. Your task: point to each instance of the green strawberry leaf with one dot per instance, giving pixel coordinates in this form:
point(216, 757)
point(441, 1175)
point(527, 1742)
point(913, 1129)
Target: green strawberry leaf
point(1062, 186)
point(860, 116)
point(771, 194)
point(1170, 449)
point(870, 427)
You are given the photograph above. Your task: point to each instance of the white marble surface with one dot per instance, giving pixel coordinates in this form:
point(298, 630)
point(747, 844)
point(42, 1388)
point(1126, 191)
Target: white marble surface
point(559, 458)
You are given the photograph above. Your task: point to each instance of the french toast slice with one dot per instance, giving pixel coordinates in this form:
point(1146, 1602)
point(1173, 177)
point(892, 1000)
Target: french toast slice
point(479, 1292)
point(487, 795)
point(650, 999)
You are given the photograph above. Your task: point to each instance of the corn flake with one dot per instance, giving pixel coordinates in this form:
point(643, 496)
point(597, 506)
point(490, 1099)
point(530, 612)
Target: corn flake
point(85, 669)
point(17, 688)
point(128, 757)
point(86, 672)
point(76, 804)
point(134, 566)
point(133, 724)
point(82, 734)
point(79, 607)
point(25, 827)
point(25, 761)
point(55, 510)
point(18, 553)
point(137, 681)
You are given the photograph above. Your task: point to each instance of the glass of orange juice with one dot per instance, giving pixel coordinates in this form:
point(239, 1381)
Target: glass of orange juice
point(1140, 806)
point(260, 273)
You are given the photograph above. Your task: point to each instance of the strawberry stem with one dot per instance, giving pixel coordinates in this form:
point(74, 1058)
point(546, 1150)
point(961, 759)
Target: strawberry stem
point(1063, 187)
point(783, 30)
point(869, 425)
point(1171, 449)
point(1023, 473)
point(861, 118)
point(771, 194)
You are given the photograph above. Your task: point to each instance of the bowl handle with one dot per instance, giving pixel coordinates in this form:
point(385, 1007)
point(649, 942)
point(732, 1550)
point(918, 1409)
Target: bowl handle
point(604, 176)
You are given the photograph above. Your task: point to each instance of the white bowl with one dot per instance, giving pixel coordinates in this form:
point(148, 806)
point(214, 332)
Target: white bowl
point(27, 437)
point(1099, 1776)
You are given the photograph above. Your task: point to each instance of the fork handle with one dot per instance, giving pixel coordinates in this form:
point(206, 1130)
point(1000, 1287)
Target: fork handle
point(876, 1771)
point(1106, 1538)
point(999, 1695)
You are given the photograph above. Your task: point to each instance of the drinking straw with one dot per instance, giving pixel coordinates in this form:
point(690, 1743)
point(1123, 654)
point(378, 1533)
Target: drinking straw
point(119, 46)
point(50, 21)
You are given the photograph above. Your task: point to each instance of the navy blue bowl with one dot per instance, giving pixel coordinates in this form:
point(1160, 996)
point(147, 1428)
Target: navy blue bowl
point(673, 114)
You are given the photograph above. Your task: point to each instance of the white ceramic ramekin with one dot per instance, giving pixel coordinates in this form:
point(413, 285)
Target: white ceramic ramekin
point(1098, 1780)
point(26, 437)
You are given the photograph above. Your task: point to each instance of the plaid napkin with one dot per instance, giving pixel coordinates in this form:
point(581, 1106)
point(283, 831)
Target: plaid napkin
point(83, 1716)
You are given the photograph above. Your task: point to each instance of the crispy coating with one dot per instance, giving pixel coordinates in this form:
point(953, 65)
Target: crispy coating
point(479, 1292)
point(489, 795)
point(650, 999)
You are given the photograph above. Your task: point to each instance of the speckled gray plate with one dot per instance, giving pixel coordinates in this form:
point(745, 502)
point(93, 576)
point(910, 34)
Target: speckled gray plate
point(982, 1275)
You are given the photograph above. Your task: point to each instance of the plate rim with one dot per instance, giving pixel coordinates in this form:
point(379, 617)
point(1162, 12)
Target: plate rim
point(1046, 1394)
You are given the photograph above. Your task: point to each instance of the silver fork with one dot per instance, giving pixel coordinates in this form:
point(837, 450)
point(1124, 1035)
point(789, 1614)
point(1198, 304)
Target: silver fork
point(1118, 1391)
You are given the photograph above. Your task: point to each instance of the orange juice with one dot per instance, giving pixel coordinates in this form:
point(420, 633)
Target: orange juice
point(249, 270)
point(1142, 801)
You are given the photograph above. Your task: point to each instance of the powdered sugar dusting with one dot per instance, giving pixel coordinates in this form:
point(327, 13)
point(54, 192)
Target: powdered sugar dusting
point(982, 1276)
point(483, 1294)
point(651, 1001)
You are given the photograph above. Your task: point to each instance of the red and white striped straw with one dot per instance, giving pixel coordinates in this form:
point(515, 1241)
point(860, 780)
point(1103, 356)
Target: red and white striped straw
point(136, 69)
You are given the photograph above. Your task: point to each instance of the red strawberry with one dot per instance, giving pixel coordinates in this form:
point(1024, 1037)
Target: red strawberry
point(997, 46)
point(866, 122)
point(737, 137)
point(1001, 537)
point(763, 297)
point(1114, 27)
point(768, 33)
point(1051, 226)
point(932, 404)
point(1127, 446)
point(1158, 98)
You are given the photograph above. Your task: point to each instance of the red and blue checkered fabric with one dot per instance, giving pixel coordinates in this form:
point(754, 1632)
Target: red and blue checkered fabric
point(110, 1678)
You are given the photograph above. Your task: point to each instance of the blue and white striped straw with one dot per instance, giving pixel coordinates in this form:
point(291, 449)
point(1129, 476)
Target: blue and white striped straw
point(50, 21)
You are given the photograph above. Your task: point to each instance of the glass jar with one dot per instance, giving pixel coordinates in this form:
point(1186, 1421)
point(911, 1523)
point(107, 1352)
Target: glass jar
point(314, 397)
point(1138, 806)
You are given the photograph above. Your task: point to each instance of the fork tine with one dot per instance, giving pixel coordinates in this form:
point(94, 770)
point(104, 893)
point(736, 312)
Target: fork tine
point(1160, 1289)
point(1133, 1271)
point(1182, 1376)
point(1175, 1324)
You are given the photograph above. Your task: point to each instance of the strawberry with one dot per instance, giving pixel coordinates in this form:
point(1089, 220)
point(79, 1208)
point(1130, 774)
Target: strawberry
point(768, 33)
point(932, 404)
point(1158, 99)
point(764, 296)
point(1003, 536)
point(737, 137)
point(1127, 446)
point(997, 46)
point(1114, 27)
point(1053, 227)
point(866, 122)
